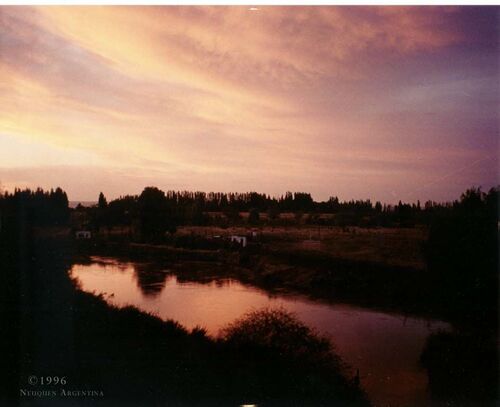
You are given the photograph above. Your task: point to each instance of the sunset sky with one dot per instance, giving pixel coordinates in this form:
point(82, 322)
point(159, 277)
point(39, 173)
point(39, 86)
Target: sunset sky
point(361, 102)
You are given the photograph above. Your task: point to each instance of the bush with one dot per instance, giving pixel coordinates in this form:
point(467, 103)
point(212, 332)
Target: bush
point(278, 330)
point(277, 354)
point(462, 368)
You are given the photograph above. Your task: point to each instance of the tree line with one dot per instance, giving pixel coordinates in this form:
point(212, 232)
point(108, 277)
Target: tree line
point(155, 209)
point(34, 207)
point(201, 209)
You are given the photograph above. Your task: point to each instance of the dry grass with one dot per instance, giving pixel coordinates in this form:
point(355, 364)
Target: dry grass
point(392, 246)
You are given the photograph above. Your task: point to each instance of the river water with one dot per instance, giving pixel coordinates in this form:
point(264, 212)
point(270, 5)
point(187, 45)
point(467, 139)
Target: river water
point(384, 347)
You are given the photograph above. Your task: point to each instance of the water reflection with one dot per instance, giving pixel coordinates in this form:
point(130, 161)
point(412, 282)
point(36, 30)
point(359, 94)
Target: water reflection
point(384, 347)
point(151, 281)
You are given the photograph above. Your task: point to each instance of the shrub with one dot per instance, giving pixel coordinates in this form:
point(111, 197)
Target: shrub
point(278, 330)
point(276, 354)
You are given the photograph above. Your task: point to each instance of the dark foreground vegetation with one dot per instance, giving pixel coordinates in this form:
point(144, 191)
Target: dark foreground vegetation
point(462, 367)
point(137, 359)
point(459, 284)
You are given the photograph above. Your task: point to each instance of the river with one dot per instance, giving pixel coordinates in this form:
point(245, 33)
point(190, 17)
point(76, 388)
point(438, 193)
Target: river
point(384, 347)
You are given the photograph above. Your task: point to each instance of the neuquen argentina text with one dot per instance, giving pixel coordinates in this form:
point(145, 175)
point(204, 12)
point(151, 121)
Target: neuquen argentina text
point(61, 393)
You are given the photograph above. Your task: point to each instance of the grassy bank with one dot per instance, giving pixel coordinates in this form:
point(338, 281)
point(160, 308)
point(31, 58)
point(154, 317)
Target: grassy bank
point(385, 246)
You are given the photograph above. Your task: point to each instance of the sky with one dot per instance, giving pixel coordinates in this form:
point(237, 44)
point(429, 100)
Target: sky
point(385, 103)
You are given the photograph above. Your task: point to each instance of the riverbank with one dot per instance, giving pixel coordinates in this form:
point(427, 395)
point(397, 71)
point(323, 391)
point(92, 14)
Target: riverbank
point(134, 357)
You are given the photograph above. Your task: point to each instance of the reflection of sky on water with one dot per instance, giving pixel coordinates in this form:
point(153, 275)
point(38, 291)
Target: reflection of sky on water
point(386, 348)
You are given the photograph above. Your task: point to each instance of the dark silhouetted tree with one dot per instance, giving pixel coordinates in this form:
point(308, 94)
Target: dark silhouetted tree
point(462, 252)
point(253, 216)
point(102, 203)
point(154, 214)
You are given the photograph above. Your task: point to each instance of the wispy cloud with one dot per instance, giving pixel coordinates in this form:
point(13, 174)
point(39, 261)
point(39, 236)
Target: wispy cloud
point(227, 98)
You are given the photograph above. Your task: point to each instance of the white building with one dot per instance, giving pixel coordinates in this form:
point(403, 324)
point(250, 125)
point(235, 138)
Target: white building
point(241, 240)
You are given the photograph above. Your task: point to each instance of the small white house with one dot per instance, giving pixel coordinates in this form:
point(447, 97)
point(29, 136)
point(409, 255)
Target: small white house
point(241, 240)
point(83, 234)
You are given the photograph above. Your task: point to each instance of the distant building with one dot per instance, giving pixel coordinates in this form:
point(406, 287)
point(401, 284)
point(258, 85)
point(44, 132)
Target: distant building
point(83, 234)
point(241, 240)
